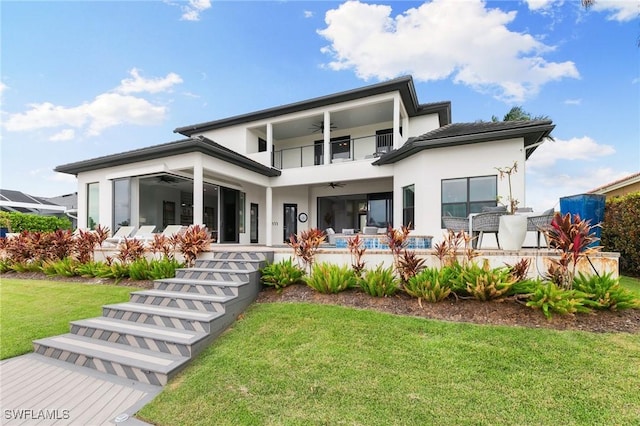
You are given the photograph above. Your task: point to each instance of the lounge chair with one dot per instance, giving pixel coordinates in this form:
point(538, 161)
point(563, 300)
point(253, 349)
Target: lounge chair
point(144, 232)
point(120, 235)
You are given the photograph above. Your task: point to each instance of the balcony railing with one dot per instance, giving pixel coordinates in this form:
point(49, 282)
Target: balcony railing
point(341, 150)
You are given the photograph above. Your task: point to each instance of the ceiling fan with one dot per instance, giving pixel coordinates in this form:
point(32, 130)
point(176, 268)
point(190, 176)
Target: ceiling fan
point(319, 127)
point(335, 184)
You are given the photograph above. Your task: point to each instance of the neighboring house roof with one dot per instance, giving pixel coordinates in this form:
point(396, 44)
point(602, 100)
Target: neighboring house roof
point(620, 183)
point(533, 132)
point(198, 144)
point(403, 84)
point(11, 200)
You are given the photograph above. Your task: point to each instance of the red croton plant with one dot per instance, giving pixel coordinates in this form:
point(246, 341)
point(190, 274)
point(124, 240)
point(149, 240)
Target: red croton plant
point(572, 237)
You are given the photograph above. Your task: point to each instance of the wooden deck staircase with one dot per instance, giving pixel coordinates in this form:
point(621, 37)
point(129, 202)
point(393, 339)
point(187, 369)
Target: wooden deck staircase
point(155, 334)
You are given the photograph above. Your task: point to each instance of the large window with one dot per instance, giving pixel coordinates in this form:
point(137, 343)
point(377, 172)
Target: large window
point(380, 209)
point(93, 206)
point(262, 145)
point(463, 196)
point(408, 205)
point(121, 203)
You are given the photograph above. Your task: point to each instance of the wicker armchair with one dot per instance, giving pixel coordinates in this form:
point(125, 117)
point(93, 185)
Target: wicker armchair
point(485, 222)
point(540, 223)
point(456, 224)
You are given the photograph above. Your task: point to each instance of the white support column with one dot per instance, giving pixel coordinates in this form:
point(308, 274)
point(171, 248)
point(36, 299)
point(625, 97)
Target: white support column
point(326, 132)
point(269, 215)
point(198, 191)
point(270, 141)
point(397, 142)
point(135, 202)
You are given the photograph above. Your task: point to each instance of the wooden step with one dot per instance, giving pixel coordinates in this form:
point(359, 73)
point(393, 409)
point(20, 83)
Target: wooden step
point(124, 361)
point(181, 300)
point(163, 317)
point(207, 287)
point(143, 336)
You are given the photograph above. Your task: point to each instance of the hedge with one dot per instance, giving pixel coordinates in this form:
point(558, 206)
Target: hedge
point(32, 222)
point(621, 231)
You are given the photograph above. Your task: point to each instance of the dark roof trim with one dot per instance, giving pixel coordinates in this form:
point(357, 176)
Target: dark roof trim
point(402, 84)
point(470, 133)
point(200, 144)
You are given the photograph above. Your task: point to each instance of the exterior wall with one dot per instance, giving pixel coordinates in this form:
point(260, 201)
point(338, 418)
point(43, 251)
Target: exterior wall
point(289, 195)
point(427, 169)
point(420, 125)
point(634, 187)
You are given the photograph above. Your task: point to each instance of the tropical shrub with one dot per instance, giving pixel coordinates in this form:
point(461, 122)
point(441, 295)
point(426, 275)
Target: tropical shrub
point(193, 242)
point(130, 250)
point(571, 237)
point(66, 267)
point(379, 282)
point(550, 298)
point(431, 284)
point(408, 265)
point(397, 240)
point(605, 291)
point(486, 283)
point(281, 274)
point(331, 278)
point(356, 250)
point(305, 245)
point(454, 246)
point(621, 231)
point(520, 269)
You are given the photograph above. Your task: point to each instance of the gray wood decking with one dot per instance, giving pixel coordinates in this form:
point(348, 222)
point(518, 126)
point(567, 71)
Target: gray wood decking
point(33, 386)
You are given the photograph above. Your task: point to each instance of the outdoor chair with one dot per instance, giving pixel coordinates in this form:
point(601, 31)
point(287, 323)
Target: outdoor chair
point(485, 222)
point(540, 223)
point(370, 230)
point(120, 235)
point(456, 224)
point(144, 233)
point(331, 236)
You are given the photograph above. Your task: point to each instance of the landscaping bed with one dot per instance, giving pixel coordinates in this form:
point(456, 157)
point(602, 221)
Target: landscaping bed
point(506, 312)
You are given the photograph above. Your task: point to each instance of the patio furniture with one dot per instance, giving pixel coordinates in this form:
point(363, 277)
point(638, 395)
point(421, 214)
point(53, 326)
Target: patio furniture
point(370, 230)
point(145, 232)
point(331, 236)
point(540, 223)
point(485, 222)
point(456, 224)
point(120, 235)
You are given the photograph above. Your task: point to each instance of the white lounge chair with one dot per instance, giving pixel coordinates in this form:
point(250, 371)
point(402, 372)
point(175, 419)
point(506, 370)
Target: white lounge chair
point(144, 232)
point(118, 237)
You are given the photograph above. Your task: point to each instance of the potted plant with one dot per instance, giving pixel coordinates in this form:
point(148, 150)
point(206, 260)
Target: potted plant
point(512, 229)
point(5, 224)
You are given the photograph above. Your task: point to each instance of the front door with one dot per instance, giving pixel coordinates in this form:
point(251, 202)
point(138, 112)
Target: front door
point(253, 223)
point(290, 221)
point(229, 217)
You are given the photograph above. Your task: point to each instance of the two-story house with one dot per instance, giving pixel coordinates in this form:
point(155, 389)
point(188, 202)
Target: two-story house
point(372, 156)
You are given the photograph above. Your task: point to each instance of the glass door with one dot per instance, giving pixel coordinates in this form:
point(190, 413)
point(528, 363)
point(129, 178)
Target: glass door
point(290, 221)
point(253, 223)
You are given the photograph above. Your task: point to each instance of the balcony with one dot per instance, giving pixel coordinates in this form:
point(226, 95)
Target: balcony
point(342, 149)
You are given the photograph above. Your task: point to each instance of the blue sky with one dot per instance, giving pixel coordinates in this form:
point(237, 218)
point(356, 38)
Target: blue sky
point(83, 79)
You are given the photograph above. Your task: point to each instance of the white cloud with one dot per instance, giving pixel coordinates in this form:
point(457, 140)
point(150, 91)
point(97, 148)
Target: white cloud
point(192, 11)
point(619, 10)
point(573, 101)
point(538, 4)
point(105, 110)
point(545, 190)
point(439, 40)
point(584, 149)
point(64, 135)
point(138, 84)
point(3, 88)
point(308, 14)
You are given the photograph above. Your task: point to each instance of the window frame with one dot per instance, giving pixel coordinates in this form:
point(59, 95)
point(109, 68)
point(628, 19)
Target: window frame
point(90, 199)
point(474, 206)
point(408, 211)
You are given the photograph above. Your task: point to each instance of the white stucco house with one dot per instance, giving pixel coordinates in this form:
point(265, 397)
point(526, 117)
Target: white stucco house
point(372, 156)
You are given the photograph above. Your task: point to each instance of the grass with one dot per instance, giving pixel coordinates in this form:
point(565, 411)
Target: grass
point(33, 309)
point(300, 364)
point(631, 283)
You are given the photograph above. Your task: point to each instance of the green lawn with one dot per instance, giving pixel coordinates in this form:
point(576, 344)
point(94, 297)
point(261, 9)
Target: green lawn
point(301, 364)
point(32, 309)
point(631, 283)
